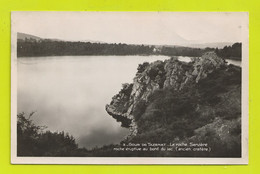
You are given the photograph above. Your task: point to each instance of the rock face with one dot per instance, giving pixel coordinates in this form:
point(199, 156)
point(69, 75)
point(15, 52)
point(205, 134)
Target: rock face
point(172, 101)
point(159, 75)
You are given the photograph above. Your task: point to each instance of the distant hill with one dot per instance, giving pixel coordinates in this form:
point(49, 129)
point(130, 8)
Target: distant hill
point(92, 41)
point(23, 36)
point(218, 45)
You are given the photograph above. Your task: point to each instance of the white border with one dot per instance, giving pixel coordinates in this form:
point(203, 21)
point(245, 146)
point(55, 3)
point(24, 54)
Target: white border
point(131, 160)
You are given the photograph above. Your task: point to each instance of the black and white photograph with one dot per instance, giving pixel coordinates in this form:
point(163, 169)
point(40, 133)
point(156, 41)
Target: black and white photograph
point(129, 87)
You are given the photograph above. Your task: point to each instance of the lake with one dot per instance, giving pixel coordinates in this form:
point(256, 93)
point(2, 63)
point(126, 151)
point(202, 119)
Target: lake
point(69, 93)
point(234, 62)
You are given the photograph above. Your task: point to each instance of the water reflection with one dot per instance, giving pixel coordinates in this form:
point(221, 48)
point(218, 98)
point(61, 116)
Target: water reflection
point(70, 93)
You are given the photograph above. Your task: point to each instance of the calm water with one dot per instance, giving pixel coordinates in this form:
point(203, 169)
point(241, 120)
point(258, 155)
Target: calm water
point(70, 93)
point(234, 62)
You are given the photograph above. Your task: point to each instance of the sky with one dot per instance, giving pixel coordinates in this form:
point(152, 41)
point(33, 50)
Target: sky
point(133, 27)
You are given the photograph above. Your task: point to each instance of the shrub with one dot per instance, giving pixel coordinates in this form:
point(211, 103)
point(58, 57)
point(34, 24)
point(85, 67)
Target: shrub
point(32, 140)
point(142, 67)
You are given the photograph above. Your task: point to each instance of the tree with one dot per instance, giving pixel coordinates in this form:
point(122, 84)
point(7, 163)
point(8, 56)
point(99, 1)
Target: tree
point(33, 140)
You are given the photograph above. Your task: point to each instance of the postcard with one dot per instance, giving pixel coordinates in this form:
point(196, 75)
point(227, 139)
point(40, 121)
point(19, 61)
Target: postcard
point(129, 87)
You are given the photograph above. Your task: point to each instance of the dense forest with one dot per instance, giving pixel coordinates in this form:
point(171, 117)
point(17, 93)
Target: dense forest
point(47, 47)
point(231, 52)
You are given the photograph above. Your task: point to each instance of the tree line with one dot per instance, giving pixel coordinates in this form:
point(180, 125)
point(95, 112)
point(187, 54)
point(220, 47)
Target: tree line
point(231, 52)
point(47, 47)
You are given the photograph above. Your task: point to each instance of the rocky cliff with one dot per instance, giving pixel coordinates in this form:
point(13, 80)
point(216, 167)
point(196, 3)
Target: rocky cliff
point(172, 100)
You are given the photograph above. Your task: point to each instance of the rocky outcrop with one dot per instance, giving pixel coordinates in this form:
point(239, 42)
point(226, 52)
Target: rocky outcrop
point(170, 73)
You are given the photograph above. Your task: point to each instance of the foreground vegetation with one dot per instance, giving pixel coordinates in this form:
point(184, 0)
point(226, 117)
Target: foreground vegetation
point(33, 140)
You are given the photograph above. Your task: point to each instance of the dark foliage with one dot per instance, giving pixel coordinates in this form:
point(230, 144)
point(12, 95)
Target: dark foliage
point(218, 82)
point(32, 140)
point(231, 52)
point(171, 115)
point(142, 67)
point(169, 110)
point(183, 51)
point(139, 109)
point(27, 48)
point(46, 47)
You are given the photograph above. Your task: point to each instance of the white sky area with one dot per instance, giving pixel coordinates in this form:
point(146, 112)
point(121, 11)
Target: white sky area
point(133, 27)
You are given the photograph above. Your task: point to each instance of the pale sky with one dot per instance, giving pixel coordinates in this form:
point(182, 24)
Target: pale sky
point(133, 27)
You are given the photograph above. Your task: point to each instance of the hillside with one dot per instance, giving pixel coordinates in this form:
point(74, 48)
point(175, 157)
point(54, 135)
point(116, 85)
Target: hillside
point(24, 36)
point(178, 102)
